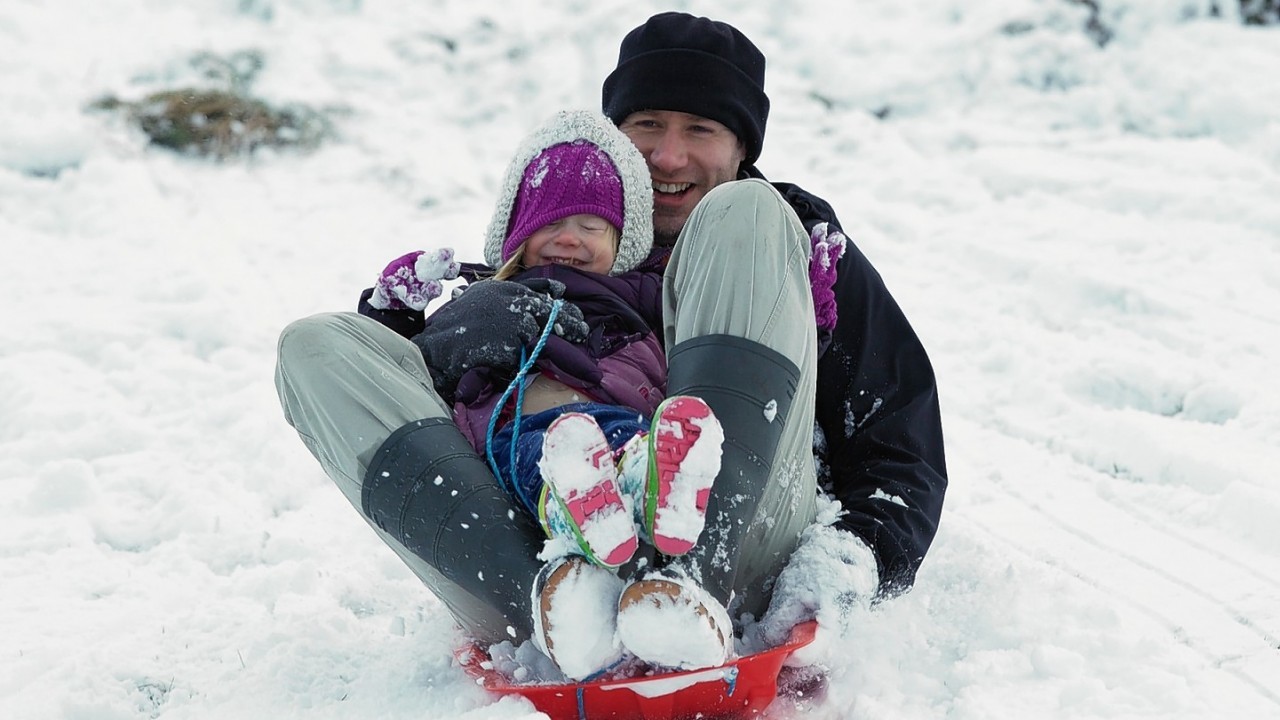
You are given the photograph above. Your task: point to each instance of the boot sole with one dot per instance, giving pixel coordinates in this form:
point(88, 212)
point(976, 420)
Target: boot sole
point(579, 475)
point(684, 459)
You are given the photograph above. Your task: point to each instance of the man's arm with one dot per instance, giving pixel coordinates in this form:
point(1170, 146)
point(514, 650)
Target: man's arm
point(878, 412)
point(882, 454)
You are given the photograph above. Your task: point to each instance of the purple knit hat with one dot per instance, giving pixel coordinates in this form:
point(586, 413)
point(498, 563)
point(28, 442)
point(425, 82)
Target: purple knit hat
point(563, 180)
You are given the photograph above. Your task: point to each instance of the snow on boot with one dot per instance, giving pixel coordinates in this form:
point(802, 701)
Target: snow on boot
point(684, 458)
point(580, 491)
point(633, 479)
point(575, 611)
point(669, 621)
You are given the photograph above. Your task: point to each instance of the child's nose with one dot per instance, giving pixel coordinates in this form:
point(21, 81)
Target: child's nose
point(567, 236)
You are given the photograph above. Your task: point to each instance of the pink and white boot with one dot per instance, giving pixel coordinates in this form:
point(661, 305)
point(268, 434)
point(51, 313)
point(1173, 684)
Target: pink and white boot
point(580, 498)
point(668, 473)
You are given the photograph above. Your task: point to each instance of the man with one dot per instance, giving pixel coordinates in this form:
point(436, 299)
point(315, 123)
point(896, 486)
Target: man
point(739, 325)
point(740, 333)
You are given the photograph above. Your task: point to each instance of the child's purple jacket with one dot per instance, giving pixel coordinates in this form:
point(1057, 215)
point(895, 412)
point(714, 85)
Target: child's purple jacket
point(622, 361)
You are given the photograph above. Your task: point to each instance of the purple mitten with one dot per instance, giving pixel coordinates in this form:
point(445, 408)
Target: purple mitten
point(828, 248)
point(413, 280)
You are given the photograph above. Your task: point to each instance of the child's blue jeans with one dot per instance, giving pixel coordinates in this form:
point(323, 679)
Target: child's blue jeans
point(619, 424)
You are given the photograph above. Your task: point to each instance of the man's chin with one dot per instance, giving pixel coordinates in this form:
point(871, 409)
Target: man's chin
point(665, 239)
point(667, 229)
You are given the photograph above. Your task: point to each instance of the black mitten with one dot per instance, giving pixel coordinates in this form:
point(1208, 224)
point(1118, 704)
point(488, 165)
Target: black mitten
point(490, 323)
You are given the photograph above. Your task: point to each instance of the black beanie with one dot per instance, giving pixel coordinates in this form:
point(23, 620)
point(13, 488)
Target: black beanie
point(679, 62)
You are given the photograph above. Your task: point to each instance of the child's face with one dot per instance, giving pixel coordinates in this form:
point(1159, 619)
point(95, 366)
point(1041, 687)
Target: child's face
point(582, 241)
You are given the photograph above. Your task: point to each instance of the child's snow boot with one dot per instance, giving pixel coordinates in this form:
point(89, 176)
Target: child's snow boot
point(575, 610)
point(579, 496)
point(668, 473)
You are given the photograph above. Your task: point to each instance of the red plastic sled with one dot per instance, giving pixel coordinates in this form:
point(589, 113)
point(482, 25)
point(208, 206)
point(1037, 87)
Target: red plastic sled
point(741, 688)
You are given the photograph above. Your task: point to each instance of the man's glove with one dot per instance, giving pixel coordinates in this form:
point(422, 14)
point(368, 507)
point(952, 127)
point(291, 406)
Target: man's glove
point(828, 247)
point(490, 323)
point(413, 280)
point(831, 575)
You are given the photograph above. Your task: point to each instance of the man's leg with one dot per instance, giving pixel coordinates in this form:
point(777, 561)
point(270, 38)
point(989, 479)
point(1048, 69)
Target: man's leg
point(359, 395)
point(740, 333)
point(346, 382)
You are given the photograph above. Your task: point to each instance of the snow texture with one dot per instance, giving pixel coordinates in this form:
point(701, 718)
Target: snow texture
point(1086, 238)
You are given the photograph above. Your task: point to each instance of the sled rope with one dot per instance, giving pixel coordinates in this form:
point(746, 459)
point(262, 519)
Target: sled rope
point(517, 386)
point(732, 681)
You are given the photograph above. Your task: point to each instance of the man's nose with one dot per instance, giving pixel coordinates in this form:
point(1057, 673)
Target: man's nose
point(670, 152)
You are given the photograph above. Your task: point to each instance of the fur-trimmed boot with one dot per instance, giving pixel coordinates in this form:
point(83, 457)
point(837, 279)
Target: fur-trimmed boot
point(575, 610)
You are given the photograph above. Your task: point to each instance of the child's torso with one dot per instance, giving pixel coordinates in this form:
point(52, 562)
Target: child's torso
point(545, 393)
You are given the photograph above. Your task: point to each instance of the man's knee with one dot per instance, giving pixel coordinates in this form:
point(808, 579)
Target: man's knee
point(309, 335)
point(739, 190)
point(751, 211)
point(752, 194)
point(332, 337)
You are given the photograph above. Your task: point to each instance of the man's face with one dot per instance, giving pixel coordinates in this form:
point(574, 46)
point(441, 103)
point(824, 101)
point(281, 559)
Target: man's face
point(687, 156)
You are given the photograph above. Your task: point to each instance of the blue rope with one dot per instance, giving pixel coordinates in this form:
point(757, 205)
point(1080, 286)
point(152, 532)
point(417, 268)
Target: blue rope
point(517, 385)
point(732, 680)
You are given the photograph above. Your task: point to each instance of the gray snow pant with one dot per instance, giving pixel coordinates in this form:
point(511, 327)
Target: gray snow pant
point(740, 268)
point(347, 383)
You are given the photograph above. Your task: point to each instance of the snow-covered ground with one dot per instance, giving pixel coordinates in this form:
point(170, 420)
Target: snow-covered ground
point(1087, 239)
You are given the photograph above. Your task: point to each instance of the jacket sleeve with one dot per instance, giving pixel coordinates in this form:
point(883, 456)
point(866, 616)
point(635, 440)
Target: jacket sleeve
point(877, 410)
point(812, 210)
point(409, 322)
point(405, 322)
point(880, 448)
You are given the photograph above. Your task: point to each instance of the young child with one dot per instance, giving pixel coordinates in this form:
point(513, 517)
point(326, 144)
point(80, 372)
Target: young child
point(581, 435)
point(564, 222)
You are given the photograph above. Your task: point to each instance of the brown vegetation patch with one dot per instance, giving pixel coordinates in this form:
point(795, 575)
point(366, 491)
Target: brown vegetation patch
point(220, 122)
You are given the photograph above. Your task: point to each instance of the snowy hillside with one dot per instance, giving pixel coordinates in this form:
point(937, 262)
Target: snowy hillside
point(1086, 234)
